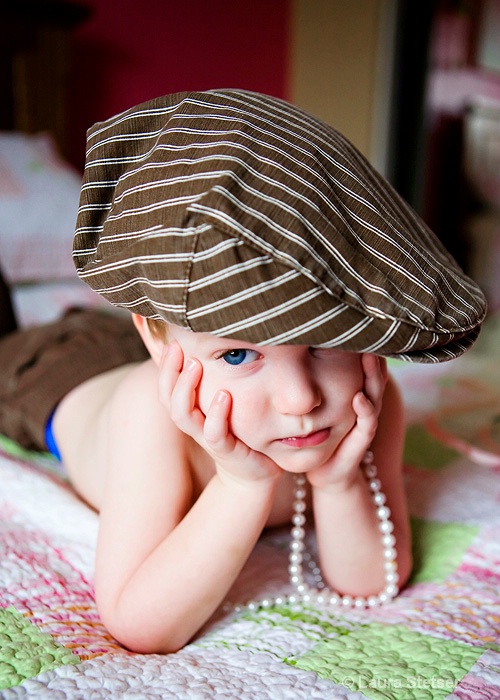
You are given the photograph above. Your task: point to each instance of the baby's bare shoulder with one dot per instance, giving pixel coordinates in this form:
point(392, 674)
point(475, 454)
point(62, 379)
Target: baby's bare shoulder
point(135, 406)
point(136, 381)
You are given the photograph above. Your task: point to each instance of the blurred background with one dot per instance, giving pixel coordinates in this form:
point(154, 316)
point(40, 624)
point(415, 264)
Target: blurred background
point(414, 85)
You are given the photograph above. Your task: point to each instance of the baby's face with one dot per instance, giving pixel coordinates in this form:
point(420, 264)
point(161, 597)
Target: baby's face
point(290, 402)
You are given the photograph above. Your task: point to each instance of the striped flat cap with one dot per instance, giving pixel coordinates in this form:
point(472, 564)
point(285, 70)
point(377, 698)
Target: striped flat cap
point(238, 214)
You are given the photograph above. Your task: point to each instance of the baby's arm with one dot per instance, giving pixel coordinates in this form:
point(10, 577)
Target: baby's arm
point(347, 527)
point(165, 564)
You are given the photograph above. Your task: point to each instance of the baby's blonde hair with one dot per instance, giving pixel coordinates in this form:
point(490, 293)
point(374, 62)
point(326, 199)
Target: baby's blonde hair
point(158, 328)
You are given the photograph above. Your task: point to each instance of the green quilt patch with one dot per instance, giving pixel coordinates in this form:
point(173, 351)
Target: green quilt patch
point(13, 449)
point(25, 651)
point(422, 450)
point(390, 662)
point(438, 548)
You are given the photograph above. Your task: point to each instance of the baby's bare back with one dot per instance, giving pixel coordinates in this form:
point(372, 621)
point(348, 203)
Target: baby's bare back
point(80, 430)
point(83, 437)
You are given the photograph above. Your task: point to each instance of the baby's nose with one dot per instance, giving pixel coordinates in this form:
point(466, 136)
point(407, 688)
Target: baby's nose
point(296, 393)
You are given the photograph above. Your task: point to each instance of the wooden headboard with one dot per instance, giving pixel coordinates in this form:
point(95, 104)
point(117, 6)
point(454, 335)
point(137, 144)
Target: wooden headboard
point(35, 42)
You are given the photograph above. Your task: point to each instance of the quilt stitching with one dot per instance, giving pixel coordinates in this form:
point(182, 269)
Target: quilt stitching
point(25, 651)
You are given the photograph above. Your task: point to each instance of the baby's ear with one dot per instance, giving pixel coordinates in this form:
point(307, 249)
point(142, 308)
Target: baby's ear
point(153, 341)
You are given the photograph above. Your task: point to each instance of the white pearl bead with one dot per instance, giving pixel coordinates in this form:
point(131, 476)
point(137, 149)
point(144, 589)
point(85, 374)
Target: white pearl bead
point(370, 471)
point(379, 498)
point(383, 513)
point(390, 554)
point(388, 540)
point(298, 533)
point(386, 526)
point(298, 519)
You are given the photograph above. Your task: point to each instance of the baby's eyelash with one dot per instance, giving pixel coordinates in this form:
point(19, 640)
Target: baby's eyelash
point(221, 353)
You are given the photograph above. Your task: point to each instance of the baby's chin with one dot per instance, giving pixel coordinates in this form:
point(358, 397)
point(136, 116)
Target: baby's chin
point(300, 469)
point(301, 463)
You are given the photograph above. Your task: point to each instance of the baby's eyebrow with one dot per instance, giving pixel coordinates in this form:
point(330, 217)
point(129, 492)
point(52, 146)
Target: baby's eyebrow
point(228, 342)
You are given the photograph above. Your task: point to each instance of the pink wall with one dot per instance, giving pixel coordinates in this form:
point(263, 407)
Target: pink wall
point(130, 51)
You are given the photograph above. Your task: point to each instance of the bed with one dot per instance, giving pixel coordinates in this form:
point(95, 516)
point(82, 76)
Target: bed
point(440, 638)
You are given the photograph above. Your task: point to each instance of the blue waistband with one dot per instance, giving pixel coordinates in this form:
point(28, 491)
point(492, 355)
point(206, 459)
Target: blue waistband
point(50, 440)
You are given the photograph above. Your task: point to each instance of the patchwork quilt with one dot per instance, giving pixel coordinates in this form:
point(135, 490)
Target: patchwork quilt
point(439, 639)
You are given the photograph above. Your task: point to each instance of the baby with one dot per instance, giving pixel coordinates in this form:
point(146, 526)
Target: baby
point(268, 270)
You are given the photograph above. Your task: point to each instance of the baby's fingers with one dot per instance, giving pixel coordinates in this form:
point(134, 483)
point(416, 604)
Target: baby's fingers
point(182, 404)
point(216, 429)
point(177, 389)
point(170, 369)
point(366, 417)
point(353, 447)
point(232, 456)
point(375, 370)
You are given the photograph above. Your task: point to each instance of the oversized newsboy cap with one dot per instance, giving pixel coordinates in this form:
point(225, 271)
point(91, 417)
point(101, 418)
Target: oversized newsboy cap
point(237, 214)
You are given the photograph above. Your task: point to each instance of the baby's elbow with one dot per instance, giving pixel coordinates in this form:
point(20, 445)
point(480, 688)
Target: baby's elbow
point(132, 631)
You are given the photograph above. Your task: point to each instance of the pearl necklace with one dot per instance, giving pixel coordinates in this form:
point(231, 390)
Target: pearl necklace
point(320, 594)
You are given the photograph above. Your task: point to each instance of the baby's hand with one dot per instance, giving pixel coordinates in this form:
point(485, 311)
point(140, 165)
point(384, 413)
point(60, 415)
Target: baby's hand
point(344, 463)
point(178, 392)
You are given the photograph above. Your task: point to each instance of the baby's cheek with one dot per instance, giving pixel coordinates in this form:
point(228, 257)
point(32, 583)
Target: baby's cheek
point(343, 418)
point(242, 423)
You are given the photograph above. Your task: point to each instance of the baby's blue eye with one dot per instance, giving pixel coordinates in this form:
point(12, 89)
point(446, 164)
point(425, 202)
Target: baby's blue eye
point(240, 357)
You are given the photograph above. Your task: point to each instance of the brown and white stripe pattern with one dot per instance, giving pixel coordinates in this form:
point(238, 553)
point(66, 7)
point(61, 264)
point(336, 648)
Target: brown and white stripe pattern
point(237, 214)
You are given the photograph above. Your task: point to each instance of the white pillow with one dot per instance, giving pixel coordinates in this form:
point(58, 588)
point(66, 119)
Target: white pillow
point(39, 195)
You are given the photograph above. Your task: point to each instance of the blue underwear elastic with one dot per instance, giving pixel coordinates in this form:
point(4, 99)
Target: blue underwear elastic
point(50, 440)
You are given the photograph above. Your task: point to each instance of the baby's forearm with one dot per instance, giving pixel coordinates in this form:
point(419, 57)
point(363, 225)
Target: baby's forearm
point(183, 581)
point(349, 539)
